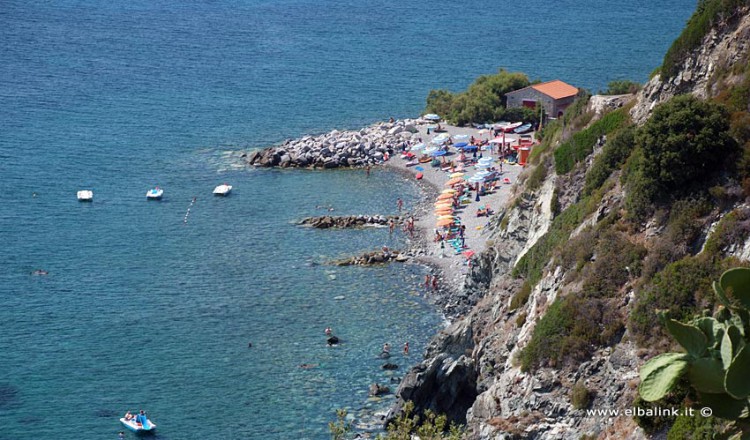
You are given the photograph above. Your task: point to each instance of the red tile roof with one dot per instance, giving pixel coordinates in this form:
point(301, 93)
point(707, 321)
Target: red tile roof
point(555, 89)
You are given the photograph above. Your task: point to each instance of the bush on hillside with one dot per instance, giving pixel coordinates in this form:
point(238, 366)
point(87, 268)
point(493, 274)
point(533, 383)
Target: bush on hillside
point(622, 87)
point(614, 153)
point(680, 290)
point(581, 144)
point(684, 141)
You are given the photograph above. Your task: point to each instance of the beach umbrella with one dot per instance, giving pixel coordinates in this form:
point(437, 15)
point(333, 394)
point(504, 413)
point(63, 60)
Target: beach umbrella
point(454, 181)
point(461, 144)
point(443, 204)
point(445, 196)
point(446, 216)
point(438, 153)
point(429, 149)
point(448, 191)
point(445, 222)
point(418, 146)
point(439, 213)
point(476, 179)
point(470, 148)
point(444, 210)
point(454, 175)
point(468, 254)
point(460, 136)
point(431, 117)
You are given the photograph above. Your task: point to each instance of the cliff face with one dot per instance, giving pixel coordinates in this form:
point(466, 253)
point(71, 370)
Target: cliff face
point(725, 46)
point(475, 370)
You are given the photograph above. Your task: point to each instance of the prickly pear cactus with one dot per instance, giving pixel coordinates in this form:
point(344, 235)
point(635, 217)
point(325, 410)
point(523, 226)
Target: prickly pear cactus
point(717, 353)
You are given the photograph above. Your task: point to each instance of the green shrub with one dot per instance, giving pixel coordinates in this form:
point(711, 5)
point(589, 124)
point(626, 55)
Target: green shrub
point(570, 331)
point(617, 260)
point(685, 141)
point(428, 427)
point(680, 289)
point(521, 297)
point(622, 87)
point(614, 154)
point(733, 229)
point(581, 144)
point(707, 14)
point(535, 180)
point(580, 396)
point(696, 427)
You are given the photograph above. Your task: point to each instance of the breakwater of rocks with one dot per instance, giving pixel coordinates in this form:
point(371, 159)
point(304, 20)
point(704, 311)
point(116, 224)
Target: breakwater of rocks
point(373, 258)
point(349, 221)
point(353, 148)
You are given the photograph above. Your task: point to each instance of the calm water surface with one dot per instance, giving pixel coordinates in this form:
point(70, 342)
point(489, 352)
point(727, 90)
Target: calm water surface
point(140, 309)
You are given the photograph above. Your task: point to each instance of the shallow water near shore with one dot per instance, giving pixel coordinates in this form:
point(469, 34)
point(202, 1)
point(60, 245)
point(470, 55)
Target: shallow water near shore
point(141, 310)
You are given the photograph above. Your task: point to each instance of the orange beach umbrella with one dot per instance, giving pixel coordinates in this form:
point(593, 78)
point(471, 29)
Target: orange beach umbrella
point(448, 191)
point(445, 196)
point(454, 181)
point(445, 222)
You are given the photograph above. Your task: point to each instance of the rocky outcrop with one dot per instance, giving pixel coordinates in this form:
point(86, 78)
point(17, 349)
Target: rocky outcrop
point(349, 221)
point(443, 384)
point(370, 145)
point(372, 258)
point(724, 46)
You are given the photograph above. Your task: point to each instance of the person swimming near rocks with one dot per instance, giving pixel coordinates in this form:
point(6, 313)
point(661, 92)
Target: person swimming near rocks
point(40, 272)
point(308, 366)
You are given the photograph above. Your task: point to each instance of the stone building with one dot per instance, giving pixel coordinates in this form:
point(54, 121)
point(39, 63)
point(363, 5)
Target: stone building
point(555, 96)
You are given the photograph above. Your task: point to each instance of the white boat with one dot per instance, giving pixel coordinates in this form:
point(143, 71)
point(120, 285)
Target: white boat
point(138, 423)
point(85, 195)
point(223, 190)
point(155, 193)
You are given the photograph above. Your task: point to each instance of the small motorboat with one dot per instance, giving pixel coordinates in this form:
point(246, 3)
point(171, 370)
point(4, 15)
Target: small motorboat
point(85, 195)
point(155, 193)
point(138, 423)
point(510, 127)
point(523, 129)
point(223, 190)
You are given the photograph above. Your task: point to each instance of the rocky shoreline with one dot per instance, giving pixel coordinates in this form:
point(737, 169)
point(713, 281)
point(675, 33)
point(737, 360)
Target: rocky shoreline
point(371, 145)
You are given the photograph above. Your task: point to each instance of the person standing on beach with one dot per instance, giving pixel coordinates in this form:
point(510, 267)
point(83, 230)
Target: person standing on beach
point(391, 226)
point(434, 283)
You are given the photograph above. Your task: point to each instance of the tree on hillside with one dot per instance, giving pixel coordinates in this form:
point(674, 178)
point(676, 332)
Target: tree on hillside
point(483, 101)
point(684, 140)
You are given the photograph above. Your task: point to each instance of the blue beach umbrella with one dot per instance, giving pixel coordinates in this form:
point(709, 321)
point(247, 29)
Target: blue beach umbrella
point(461, 144)
point(438, 153)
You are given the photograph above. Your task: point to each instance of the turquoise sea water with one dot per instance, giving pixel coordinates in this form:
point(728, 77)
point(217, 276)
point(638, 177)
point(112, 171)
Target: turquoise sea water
point(141, 310)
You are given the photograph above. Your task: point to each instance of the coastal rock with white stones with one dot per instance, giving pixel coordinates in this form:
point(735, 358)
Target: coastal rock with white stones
point(368, 146)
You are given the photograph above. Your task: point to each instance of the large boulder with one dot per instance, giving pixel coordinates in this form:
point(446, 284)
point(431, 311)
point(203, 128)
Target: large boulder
point(442, 384)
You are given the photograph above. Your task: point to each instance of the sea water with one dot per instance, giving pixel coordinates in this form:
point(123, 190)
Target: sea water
point(150, 306)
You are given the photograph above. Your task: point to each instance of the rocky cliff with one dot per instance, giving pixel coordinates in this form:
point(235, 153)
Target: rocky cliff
point(561, 292)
